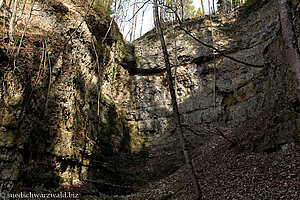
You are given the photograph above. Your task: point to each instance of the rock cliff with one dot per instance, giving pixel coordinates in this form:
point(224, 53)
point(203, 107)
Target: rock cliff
point(79, 95)
point(56, 125)
point(225, 95)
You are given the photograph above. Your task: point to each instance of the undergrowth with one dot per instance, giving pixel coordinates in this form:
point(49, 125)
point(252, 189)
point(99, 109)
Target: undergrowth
point(249, 3)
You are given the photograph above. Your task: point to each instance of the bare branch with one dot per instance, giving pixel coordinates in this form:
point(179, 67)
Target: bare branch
point(138, 10)
point(210, 46)
point(23, 34)
point(1, 3)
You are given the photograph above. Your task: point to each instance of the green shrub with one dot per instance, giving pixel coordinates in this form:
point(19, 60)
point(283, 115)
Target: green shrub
point(103, 6)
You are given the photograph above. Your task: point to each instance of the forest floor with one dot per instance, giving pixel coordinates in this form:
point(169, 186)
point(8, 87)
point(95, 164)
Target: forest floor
point(224, 170)
point(224, 173)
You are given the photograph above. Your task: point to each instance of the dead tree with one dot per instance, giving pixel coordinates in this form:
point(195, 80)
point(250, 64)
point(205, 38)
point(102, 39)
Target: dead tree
point(291, 42)
point(176, 116)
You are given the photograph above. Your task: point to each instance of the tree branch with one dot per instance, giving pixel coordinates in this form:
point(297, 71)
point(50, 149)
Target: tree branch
point(210, 46)
point(23, 34)
point(138, 10)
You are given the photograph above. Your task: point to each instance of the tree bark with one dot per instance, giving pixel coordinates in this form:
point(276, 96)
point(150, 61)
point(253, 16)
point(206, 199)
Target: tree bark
point(291, 42)
point(12, 21)
point(141, 30)
point(209, 9)
point(133, 21)
point(161, 11)
point(178, 125)
point(1, 3)
point(224, 6)
point(181, 10)
point(203, 9)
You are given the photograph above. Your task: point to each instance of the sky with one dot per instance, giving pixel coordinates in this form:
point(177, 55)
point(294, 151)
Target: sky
point(147, 24)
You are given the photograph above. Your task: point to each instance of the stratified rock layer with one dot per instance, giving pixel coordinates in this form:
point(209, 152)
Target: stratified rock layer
point(214, 90)
point(64, 117)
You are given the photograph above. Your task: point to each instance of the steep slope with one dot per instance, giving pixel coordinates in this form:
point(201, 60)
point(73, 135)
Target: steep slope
point(84, 111)
point(58, 120)
point(238, 93)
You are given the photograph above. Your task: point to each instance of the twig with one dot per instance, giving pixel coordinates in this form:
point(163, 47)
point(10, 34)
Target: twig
point(100, 78)
point(111, 21)
point(221, 52)
point(138, 10)
point(50, 69)
point(36, 81)
point(210, 46)
point(15, 66)
point(23, 34)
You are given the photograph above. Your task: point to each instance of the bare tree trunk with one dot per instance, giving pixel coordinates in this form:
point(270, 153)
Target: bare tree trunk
point(9, 4)
point(125, 16)
point(1, 3)
point(154, 15)
point(12, 21)
point(161, 12)
point(203, 8)
point(181, 10)
point(133, 14)
point(291, 42)
point(175, 6)
point(135, 22)
point(141, 30)
point(179, 129)
point(224, 6)
point(118, 11)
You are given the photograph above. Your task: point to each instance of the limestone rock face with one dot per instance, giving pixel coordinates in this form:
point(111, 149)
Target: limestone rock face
point(95, 95)
point(55, 124)
point(213, 90)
